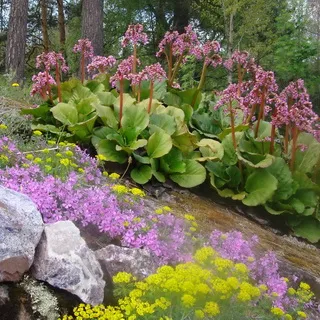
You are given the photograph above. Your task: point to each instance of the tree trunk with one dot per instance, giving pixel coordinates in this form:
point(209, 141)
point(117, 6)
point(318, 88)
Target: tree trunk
point(181, 15)
point(44, 24)
point(16, 43)
point(92, 24)
point(62, 29)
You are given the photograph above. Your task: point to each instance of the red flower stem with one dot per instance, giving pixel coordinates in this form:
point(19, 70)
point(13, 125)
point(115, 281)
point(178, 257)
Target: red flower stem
point(134, 63)
point(82, 68)
point(139, 92)
point(295, 134)
point(170, 63)
point(273, 135)
point(175, 70)
point(48, 86)
point(251, 113)
point(150, 96)
point(58, 82)
point(286, 138)
point(261, 112)
point(203, 76)
point(121, 102)
point(239, 79)
point(232, 126)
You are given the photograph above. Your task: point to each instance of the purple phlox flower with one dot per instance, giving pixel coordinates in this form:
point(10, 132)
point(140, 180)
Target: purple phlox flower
point(40, 83)
point(50, 61)
point(154, 72)
point(135, 35)
point(124, 70)
point(101, 64)
point(84, 46)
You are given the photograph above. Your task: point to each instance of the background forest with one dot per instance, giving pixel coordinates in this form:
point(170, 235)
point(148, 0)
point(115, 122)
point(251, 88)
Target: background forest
point(282, 35)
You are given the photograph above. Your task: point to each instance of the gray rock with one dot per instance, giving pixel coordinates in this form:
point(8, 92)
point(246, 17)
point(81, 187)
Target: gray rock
point(64, 260)
point(21, 227)
point(4, 294)
point(116, 259)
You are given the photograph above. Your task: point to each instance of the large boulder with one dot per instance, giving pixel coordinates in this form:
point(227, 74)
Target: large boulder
point(138, 262)
point(64, 260)
point(21, 227)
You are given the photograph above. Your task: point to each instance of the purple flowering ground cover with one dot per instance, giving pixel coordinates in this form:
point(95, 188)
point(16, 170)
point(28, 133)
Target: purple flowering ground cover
point(77, 189)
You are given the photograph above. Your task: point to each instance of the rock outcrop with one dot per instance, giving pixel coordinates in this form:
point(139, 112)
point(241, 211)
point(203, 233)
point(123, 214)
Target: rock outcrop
point(138, 262)
point(21, 227)
point(64, 260)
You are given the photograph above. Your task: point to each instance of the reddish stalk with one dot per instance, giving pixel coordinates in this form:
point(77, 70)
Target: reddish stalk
point(82, 67)
point(239, 79)
point(175, 70)
point(58, 82)
point(251, 114)
point(261, 112)
point(121, 101)
point(232, 126)
point(170, 63)
point(203, 76)
point(150, 96)
point(286, 138)
point(48, 86)
point(295, 134)
point(273, 135)
point(139, 92)
point(134, 63)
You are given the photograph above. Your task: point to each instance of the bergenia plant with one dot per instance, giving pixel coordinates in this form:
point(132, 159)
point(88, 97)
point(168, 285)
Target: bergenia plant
point(56, 61)
point(84, 47)
point(294, 111)
point(123, 72)
point(134, 35)
point(177, 46)
point(41, 85)
point(153, 73)
point(101, 64)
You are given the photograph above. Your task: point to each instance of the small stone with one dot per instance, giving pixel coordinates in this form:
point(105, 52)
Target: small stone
point(21, 227)
point(64, 260)
point(138, 262)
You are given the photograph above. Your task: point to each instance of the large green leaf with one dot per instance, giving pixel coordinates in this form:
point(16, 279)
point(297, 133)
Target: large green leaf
point(95, 86)
point(106, 98)
point(226, 192)
point(260, 186)
point(255, 160)
point(66, 113)
point(141, 174)
point(309, 229)
point(306, 160)
point(172, 99)
point(264, 129)
point(280, 170)
point(42, 112)
point(108, 149)
point(162, 121)
point(135, 119)
point(239, 128)
point(204, 123)
point(106, 115)
point(194, 175)
point(210, 149)
point(186, 142)
point(155, 104)
point(83, 130)
point(159, 144)
point(128, 102)
point(173, 162)
point(230, 156)
point(79, 93)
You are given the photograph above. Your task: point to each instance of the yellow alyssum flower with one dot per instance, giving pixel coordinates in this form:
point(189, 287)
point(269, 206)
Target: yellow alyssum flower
point(189, 217)
point(199, 314)
point(15, 84)
point(37, 160)
point(288, 317)
point(51, 142)
point(122, 277)
point(137, 192)
point(114, 176)
point(69, 153)
point(4, 158)
point(37, 133)
point(188, 300)
point(304, 286)
point(101, 157)
point(159, 211)
point(66, 162)
point(277, 311)
point(120, 189)
point(211, 308)
point(3, 126)
point(166, 208)
point(30, 156)
point(301, 314)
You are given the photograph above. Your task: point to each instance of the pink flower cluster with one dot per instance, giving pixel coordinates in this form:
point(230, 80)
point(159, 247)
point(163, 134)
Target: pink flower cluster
point(101, 64)
point(210, 51)
point(293, 106)
point(50, 61)
point(154, 72)
point(134, 35)
point(41, 81)
point(238, 57)
point(180, 44)
point(124, 70)
point(84, 46)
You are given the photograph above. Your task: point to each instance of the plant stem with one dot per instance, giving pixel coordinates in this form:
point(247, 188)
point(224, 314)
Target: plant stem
point(295, 134)
point(121, 102)
point(175, 70)
point(170, 63)
point(253, 109)
point(139, 92)
point(58, 82)
point(134, 63)
point(48, 86)
point(273, 134)
point(150, 96)
point(232, 126)
point(261, 112)
point(203, 76)
point(286, 138)
point(239, 79)
point(82, 68)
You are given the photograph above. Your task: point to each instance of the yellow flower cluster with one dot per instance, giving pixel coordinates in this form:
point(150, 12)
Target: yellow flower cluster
point(163, 210)
point(3, 126)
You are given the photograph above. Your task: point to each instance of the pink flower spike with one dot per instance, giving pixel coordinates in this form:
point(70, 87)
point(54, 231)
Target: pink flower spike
point(40, 83)
point(84, 46)
point(50, 60)
point(154, 73)
point(134, 35)
point(101, 64)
